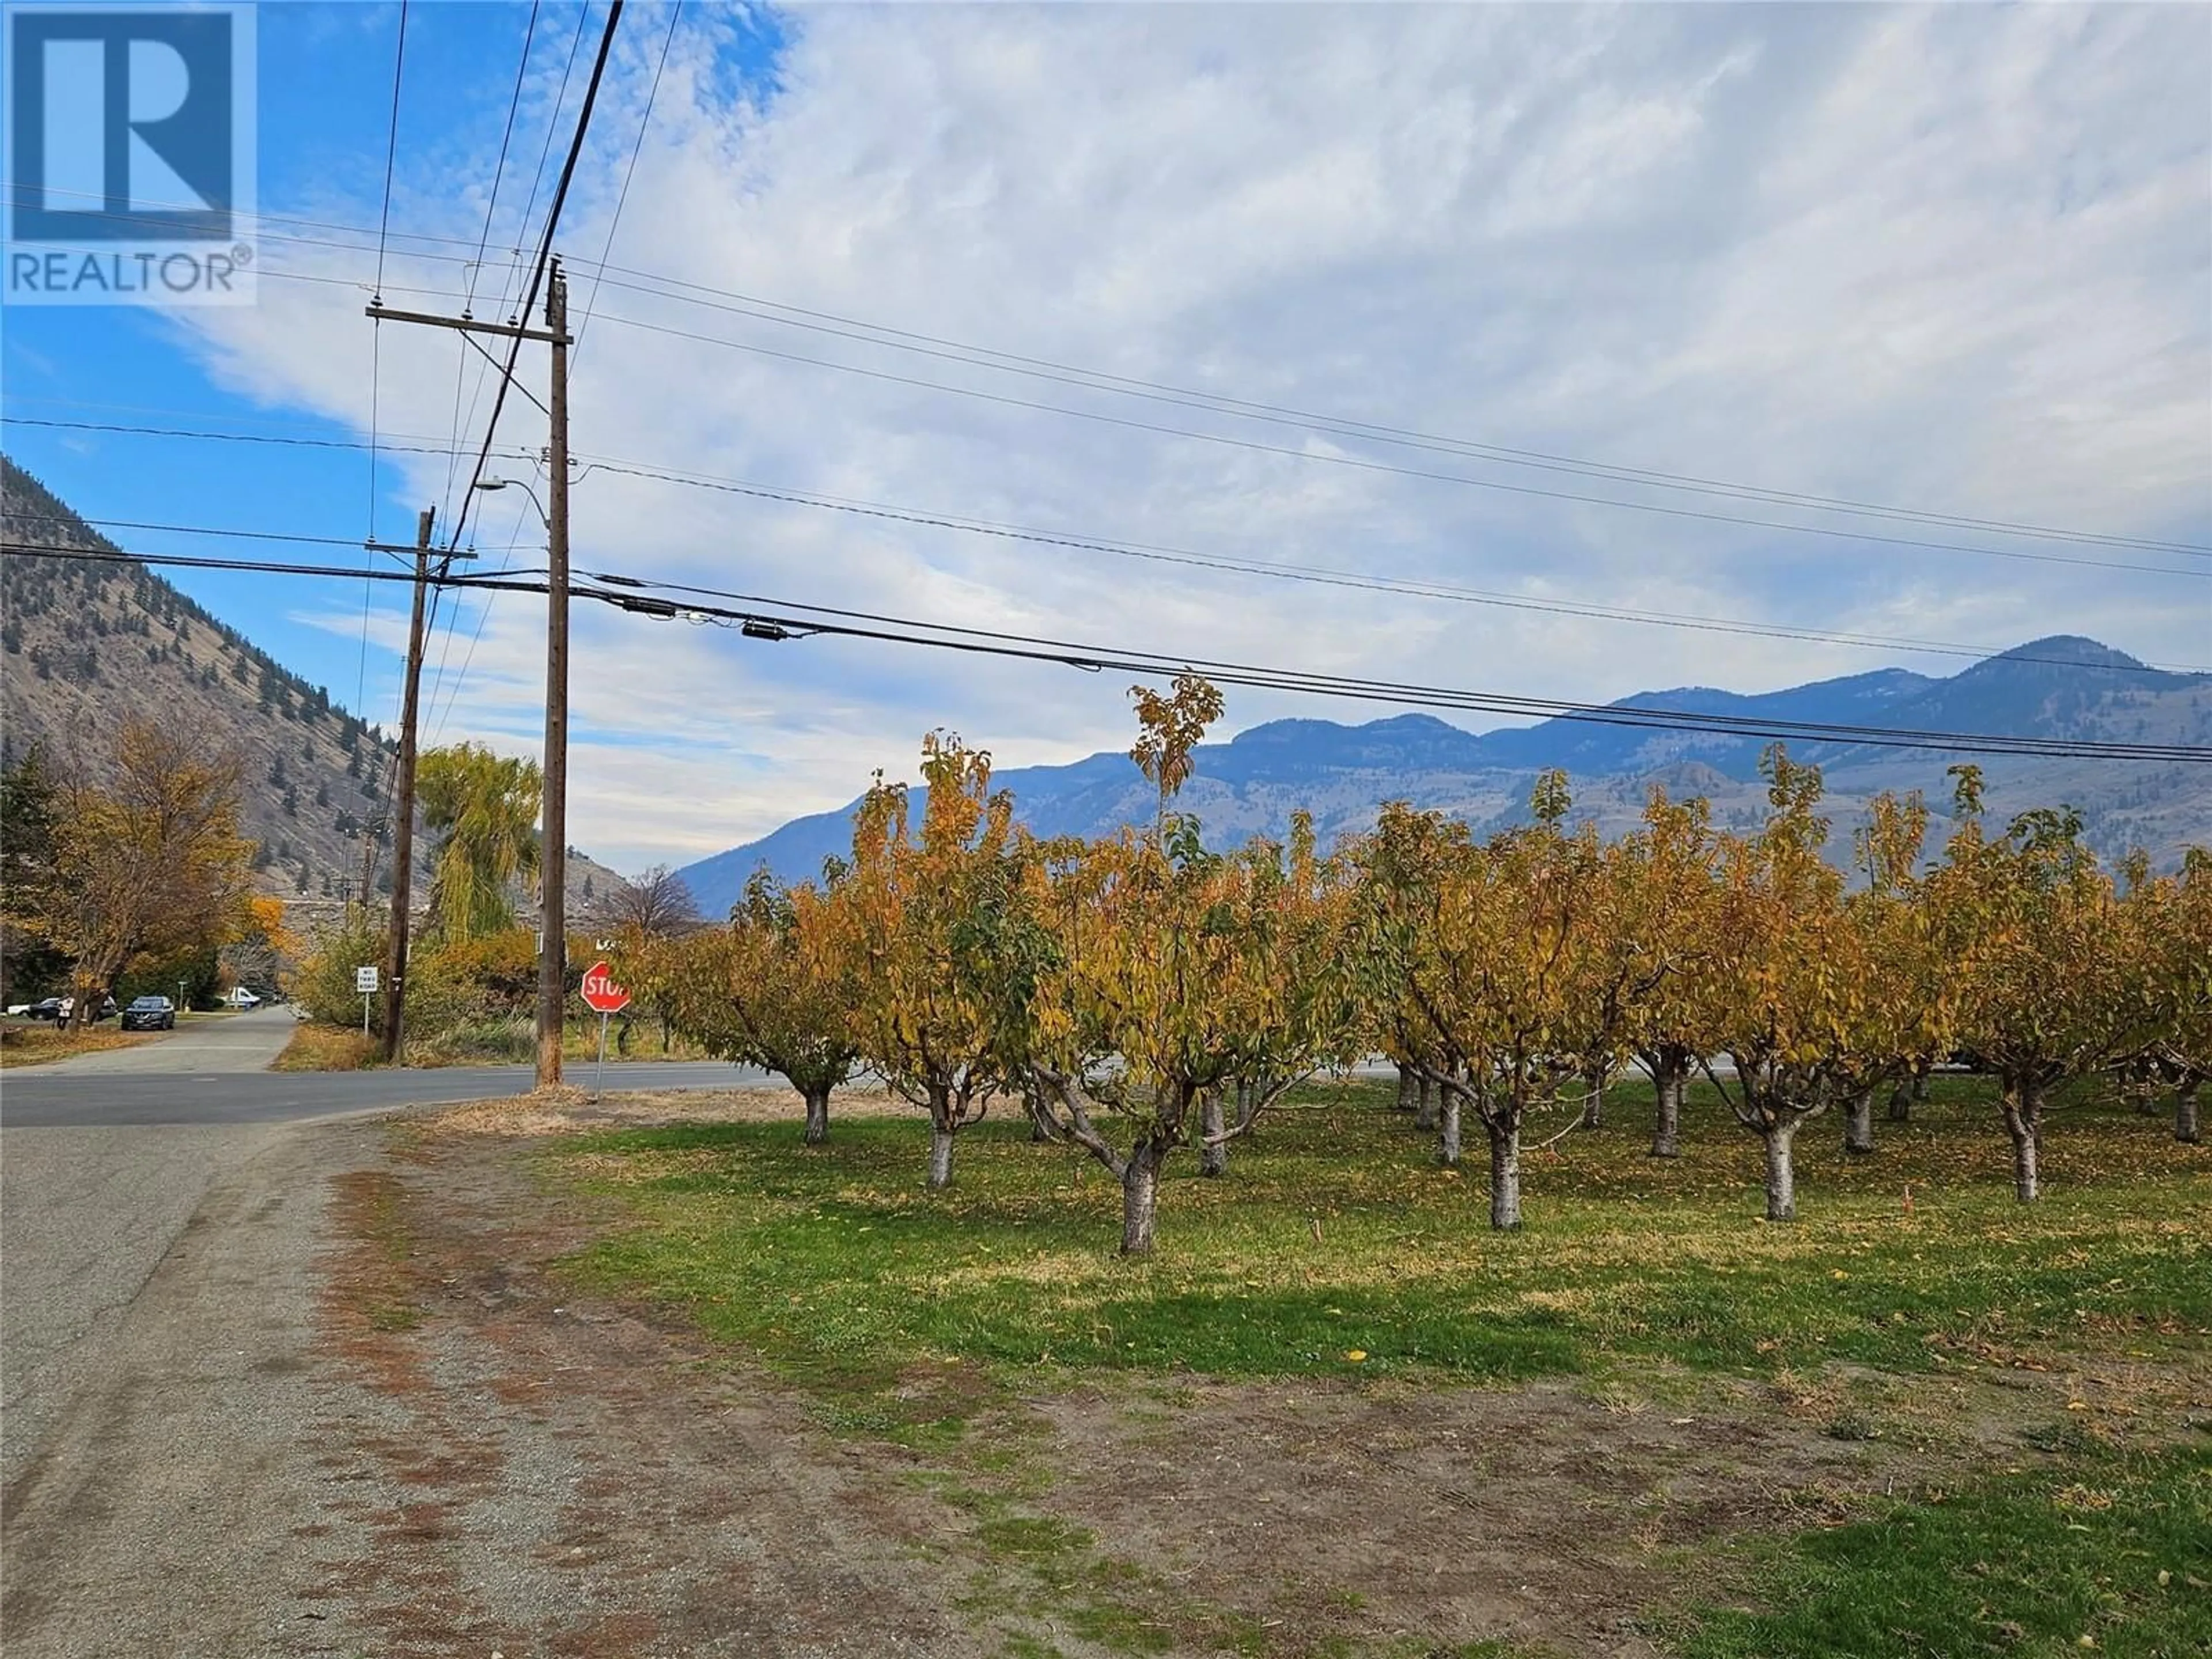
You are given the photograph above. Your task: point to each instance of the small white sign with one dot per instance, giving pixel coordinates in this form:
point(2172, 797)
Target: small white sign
point(364, 980)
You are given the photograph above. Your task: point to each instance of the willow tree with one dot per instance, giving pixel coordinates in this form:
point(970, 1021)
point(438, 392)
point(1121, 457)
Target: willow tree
point(2034, 974)
point(485, 806)
point(1173, 972)
point(771, 989)
point(928, 920)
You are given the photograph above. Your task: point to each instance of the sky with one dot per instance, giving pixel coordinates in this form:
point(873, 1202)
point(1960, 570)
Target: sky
point(1953, 260)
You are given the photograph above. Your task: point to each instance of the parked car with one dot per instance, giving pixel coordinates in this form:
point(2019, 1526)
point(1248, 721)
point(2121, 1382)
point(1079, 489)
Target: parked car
point(240, 998)
point(150, 1014)
point(49, 1009)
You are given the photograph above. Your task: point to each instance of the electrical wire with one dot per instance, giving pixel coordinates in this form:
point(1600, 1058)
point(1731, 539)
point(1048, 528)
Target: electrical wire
point(1321, 575)
point(474, 269)
point(1368, 465)
point(645, 122)
point(783, 620)
point(391, 142)
point(544, 259)
point(658, 285)
point(1100, 381)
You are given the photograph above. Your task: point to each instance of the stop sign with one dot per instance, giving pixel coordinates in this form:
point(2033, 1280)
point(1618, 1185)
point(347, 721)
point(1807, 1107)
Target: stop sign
point(601, 994)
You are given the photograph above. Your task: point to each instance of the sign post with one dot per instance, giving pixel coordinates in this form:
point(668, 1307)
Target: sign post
point(605, 998)
point(364, 981)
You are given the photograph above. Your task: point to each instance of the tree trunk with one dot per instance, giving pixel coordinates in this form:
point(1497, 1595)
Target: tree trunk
point(1448, 1140)
point(1212, 1155)
point(1668, 1083)
point(1141, 1194)
point(1409, 1087)
point(818, 1116)
point(1781, 1177)
point(1900, 1102)
point(1594, 1103)
point(1858, 1123)
point(2023, 1121)
point(2184, 1111)
point(1920, 1070)
point(1424, 1109)
point(1504, 1175)
point(940, 1158)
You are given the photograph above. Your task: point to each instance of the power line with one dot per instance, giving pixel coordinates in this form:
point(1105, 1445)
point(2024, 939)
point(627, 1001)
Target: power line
point(781, 620)
point(285, 441)
point(1276, 414)
point(1368, 465)
point(475, 269)
point(544, 256)
point(1415, 588)
point(656, 285)
point(1323, 576)
point(391, 142)
point(652, 97)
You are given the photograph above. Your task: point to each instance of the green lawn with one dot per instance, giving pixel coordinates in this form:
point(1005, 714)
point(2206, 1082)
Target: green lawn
point(907, 1312)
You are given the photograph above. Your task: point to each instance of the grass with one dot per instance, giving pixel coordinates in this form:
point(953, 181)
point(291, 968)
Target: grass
point(495, 1041)
point(909, 1316)
point(2113, 1555)
point(40, 1043)
point(314, 1048)
point(837, 1265)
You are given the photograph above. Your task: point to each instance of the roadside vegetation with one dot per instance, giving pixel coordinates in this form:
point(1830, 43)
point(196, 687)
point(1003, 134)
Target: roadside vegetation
point(39, 1043)
point(1897, 1153)
point(471, 971)
point(123, 873)
point(2031, 1378)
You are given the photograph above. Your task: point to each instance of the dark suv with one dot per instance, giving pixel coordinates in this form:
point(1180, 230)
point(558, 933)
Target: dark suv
point(150, 1014)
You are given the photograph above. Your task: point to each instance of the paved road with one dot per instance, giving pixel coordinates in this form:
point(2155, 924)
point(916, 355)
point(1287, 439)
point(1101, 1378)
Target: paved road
point(105, 1161)
point(224, 1045)
point(34, 1099)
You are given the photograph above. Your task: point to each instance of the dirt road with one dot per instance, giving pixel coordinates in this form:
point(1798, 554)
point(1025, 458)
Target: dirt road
point(302, 1435)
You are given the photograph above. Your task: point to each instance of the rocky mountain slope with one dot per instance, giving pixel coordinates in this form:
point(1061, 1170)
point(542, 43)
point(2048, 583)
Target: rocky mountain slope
point(2061, 687)
point(85, 646)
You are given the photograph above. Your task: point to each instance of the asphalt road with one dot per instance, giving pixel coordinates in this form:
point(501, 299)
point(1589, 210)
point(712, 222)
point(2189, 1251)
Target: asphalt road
point(222, 1045)
point(107, 1159)
point(187, 1079)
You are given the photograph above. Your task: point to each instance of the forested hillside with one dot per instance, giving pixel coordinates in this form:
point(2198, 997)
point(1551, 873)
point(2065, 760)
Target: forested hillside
point(84, 645)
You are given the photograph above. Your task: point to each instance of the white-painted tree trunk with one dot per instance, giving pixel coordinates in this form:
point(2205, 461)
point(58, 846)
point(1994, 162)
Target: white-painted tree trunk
point(1781, 1176)
point(1212, 1155)
point(1505, 1177)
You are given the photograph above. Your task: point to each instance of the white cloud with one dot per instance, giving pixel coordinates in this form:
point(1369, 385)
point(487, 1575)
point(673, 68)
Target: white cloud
point(1954, 258)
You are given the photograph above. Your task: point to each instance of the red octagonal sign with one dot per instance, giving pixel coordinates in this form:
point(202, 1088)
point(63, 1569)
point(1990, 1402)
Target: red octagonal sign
point(601, 994)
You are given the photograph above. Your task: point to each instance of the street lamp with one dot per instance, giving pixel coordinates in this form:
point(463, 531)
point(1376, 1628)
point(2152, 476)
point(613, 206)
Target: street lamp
point(489, 484)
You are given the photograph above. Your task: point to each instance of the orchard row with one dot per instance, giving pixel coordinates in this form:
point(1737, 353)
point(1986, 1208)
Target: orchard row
point(1140, 993)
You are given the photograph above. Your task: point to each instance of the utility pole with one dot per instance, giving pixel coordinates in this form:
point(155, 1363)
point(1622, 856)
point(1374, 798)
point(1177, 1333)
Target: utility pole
point(553, 850)
point(552, 960)
point(402, 804)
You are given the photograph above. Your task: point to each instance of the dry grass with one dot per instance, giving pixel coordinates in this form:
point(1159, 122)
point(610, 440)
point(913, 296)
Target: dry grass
point(570, 1111)
point(41, 1044)
point(325, 1049)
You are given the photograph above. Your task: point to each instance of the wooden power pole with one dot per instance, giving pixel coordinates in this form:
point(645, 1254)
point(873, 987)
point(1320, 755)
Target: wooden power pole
point(553, 848)
point(403, 805)
point(553, 954)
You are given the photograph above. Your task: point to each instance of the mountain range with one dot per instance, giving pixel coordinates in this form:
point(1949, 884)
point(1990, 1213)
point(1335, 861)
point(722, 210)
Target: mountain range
point(2063, 686)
